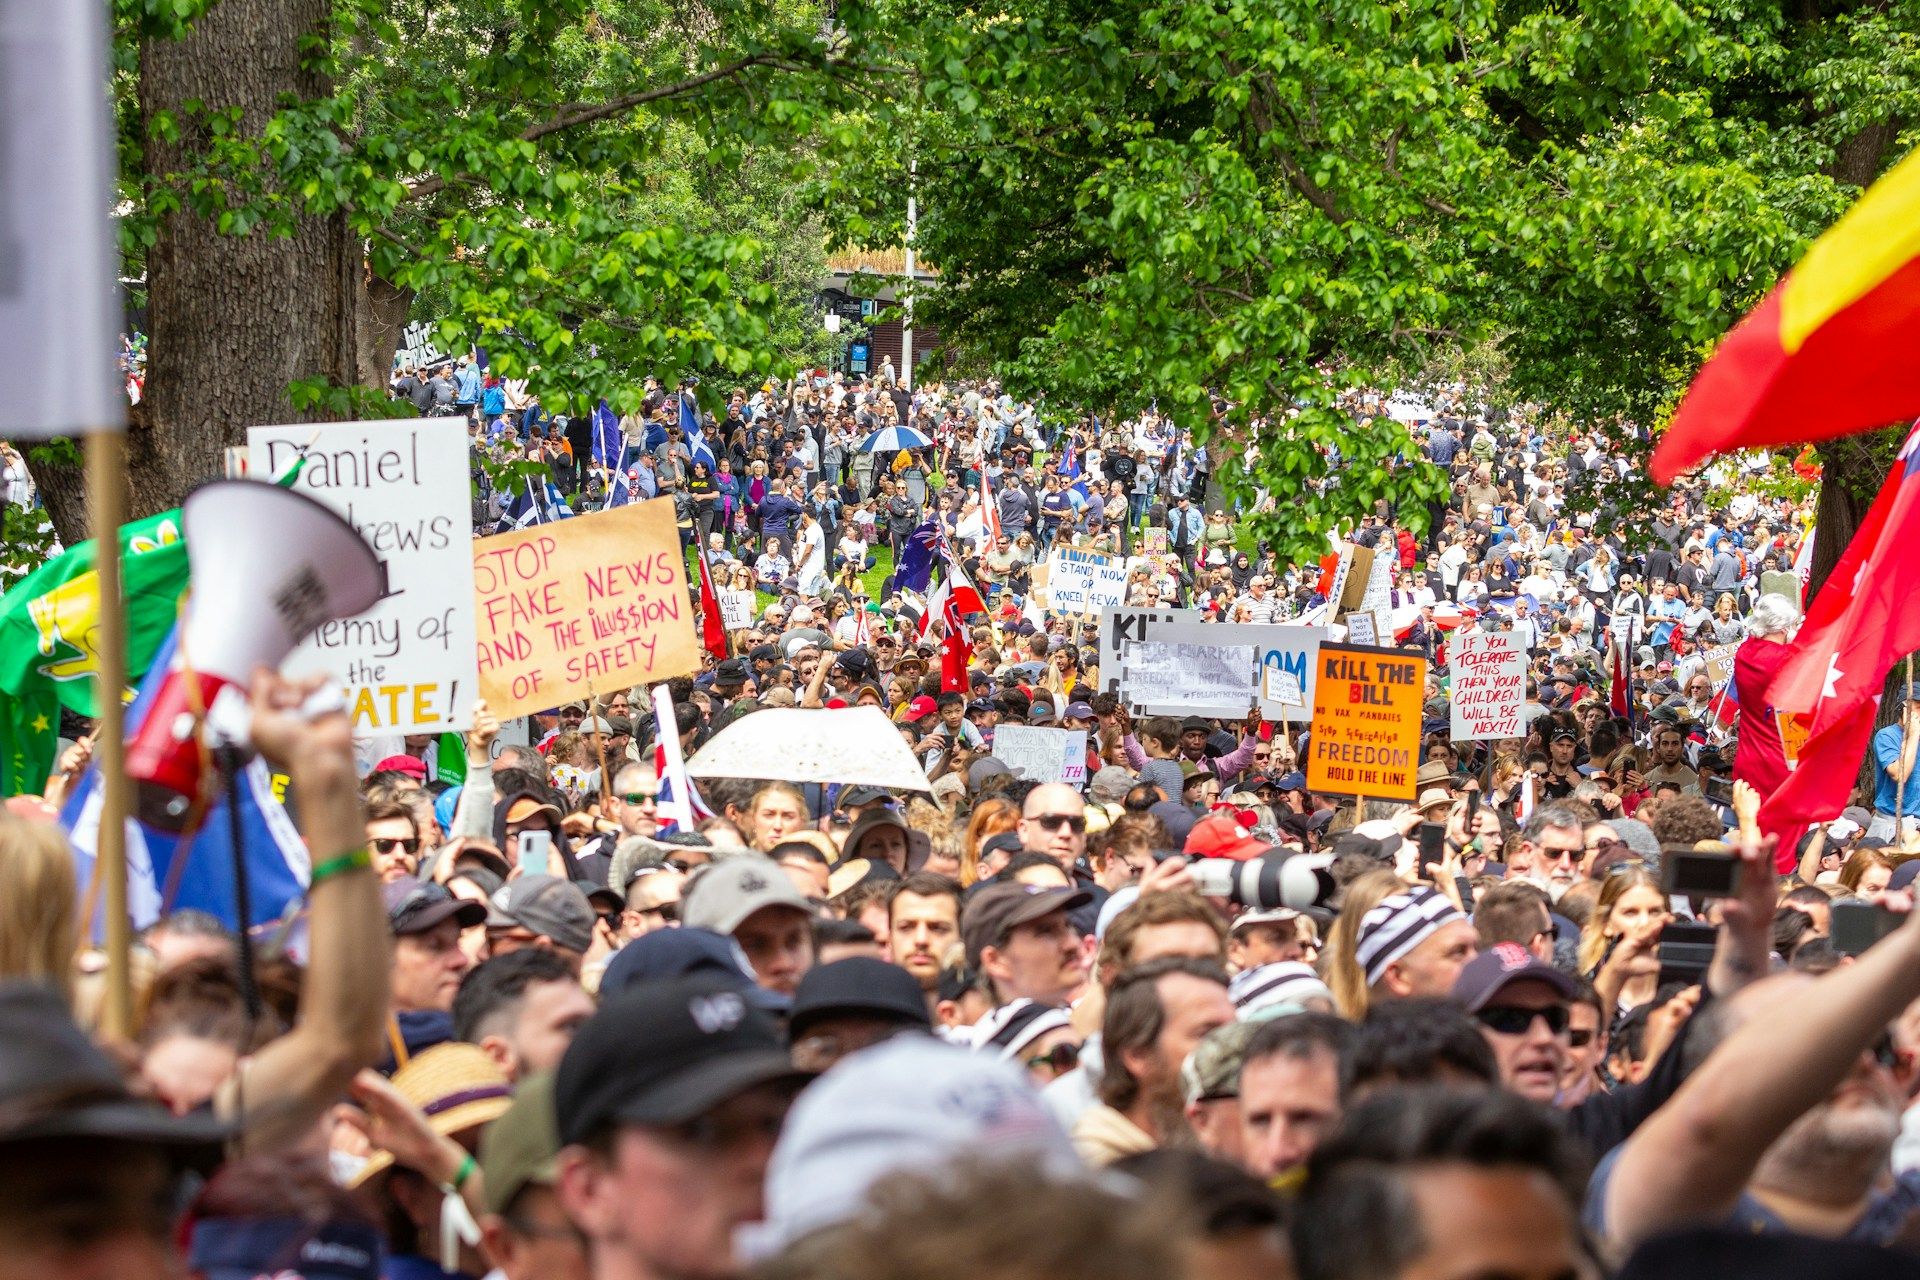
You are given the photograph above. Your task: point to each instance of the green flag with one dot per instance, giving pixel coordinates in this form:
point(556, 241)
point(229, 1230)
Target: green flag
point(49, 634)
point(451, 764)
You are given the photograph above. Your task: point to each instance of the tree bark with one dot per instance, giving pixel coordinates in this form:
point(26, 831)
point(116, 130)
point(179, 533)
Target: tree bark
point(233, 320)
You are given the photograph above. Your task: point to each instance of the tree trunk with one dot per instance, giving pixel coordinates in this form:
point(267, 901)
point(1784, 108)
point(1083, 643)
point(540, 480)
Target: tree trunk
point(234, 320)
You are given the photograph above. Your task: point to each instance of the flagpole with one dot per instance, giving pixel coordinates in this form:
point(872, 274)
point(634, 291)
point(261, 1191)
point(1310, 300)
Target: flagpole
point(105, 472)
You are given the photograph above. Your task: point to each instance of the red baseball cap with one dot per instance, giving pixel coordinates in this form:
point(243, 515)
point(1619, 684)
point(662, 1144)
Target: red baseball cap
point(921, 707)
point(1221, 835)
point(412, 766)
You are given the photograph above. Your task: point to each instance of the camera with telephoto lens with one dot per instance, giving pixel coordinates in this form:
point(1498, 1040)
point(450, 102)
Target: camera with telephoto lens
point(1279, 878)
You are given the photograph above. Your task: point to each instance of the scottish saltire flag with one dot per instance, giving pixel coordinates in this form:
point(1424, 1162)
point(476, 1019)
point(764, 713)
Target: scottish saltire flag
point(679, 806)
point(697, 448)
point(607, 441)
point(619, 490)
point(168, 873)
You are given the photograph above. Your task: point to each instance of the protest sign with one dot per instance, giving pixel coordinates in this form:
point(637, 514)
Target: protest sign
point(1366, 722)
point(407, 663)
point(1360, 628)
point(1719, 664)
point(1277, 646)
point(1154, 541)
point(1121, 627)
point(1042, 755)
point(1794, 731)
point(596, 602)
point(1378, 593)
point(1281, 687)
point(1190, 669)
point(1082, 583)
point(1489, 690)
point(1344, 570)
point(736, 609)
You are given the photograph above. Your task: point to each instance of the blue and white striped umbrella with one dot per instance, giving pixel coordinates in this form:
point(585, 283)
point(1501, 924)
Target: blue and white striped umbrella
point(894, 439)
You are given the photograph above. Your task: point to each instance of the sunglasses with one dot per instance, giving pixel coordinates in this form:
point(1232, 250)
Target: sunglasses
point(1077, 823)
point(640, 797)
point(1062, 1058)
point(383, 844)
point(667, 911)
point(1517, 1022)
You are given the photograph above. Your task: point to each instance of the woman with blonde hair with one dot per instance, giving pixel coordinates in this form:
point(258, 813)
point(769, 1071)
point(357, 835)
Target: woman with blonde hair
point(1340, 965)
point(1631, 906)
point(1867, 873)
point(39, 905)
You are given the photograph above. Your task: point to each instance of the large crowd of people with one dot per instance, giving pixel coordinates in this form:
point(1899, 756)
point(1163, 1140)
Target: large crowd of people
point(550, 1023)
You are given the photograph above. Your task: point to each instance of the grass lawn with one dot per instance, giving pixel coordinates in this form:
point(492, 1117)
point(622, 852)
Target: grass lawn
point(874, 578)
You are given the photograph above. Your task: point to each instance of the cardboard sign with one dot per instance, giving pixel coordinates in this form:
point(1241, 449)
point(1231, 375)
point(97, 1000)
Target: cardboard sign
point(1281, 687)
point(1366, 722)
point(1719, 664)
point(1082, 583)
point(1489, 690)
point(598, 601)
point(1378, 593)
point(1361, 629)
point(736, 609)
point(1190, 679)
point(1121, 627)
point(1277, 647)
point(407, 662)
point(1042, 755)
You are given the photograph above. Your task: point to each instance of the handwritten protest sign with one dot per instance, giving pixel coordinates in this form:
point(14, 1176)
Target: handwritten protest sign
point(736, 609)
point(1719, 664)
point(1197, 677)
point(1082, 583)
point(1489, 690)
point(1042, 755)
point(1280, 686)
point(1154, 541)
point(598, 600)
point(1360, 628)
point(403, 484)
point(1366, 722)
point(1121, 627)
point(1794, 731)
point(1277, 646)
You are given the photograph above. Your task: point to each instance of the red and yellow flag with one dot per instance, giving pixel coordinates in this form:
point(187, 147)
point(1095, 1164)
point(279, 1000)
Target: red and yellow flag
point(1834, 349)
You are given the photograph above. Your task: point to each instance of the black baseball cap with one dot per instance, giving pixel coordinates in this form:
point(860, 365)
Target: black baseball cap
point(415, 906)
point(1499, 967)
point(704, 1043)
point(858, 986)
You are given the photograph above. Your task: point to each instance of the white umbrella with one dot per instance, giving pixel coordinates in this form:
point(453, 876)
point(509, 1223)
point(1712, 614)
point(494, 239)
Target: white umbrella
point(893, 440)
point(803, 744)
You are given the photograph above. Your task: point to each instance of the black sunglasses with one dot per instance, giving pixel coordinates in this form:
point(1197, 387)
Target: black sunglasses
point(1077, 823)
point(386, 844)
point(1062, 1058)
point(1516, 1022)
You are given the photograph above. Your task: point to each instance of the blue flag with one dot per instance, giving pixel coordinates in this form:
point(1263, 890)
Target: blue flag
point(537, 503)
point(697, 448)
point(166, 872)
point(917, 554)
point(607, 441)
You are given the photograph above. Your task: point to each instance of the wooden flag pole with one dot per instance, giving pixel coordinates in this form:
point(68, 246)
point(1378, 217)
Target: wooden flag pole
point(106, 500)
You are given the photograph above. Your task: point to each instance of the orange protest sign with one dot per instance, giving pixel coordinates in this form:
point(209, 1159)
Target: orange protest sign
point(1367, 706)
point(599, 600)
point(1793, 735)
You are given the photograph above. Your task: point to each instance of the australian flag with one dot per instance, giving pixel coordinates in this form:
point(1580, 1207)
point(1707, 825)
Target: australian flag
point(167, 872)
point(922, 548)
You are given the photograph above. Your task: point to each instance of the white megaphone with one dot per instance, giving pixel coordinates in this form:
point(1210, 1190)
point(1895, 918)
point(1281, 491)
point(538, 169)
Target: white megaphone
point(268, 566)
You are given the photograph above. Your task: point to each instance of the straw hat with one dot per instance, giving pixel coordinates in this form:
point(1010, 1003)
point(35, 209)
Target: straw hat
point(458, 1087)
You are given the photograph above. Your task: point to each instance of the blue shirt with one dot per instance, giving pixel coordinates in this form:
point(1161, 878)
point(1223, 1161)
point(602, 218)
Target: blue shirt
point(1886, 751)
point(466, 385)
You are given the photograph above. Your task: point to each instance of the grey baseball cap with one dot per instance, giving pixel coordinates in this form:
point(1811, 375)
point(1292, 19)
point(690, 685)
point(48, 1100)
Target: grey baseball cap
point(548, 906)
point(721, 896)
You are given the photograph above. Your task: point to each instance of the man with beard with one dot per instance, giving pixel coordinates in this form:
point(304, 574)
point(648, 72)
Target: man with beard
point(923, 923)
point(1787, 1126)
point(1156, 1014)
point(1552, 845)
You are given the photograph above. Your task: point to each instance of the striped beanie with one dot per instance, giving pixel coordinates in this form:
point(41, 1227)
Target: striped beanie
point(1398, 925)
point(1012, 1027)
point(1275, 990)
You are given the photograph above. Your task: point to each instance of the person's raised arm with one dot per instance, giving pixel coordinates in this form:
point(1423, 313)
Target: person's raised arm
point(283, 1089)
point(1692, 1158)
point(473, 812)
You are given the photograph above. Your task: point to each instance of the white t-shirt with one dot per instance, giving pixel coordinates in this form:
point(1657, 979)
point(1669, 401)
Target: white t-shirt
point(810, 555)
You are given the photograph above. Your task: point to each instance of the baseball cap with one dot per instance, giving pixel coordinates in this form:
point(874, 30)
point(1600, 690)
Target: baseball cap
point(1500, 966)
point(720, 896)
point(1040, 712)
point(1212, 1070)
point(518, 1149)
point(992, 913)
point(858, 986)
point(412, 766)
point(1276, 915)
point(1295, 781)
point(705, 1043)
point(920, 708)
point(980, 706)
point(245, 1248)
point(526, 806)
point(553, 908)
point(910, 1104)
point(415, 906)
point(685, 953)
point(1220, 835)
point(732, 671)
point(1077, 711)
